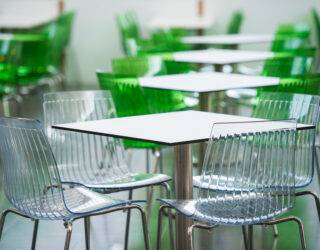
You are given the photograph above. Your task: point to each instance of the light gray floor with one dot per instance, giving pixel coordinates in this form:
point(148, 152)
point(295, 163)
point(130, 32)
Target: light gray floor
point(108, 231)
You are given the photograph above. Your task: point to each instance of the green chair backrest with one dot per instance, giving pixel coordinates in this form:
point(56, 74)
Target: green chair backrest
point(160, 100)
point(289, 36)
point(128, 29)
point(316, 21)
point(133, 23)
point(234, 26)
point(139, 66)
point(129, 100)
point(290, 63)
point(36, 54)
point(9, 58)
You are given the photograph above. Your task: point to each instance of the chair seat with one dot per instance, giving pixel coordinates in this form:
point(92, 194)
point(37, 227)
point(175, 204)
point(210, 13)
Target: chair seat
point(228, 212)
point(78, 200)
point(126, 182)
point(199, 182)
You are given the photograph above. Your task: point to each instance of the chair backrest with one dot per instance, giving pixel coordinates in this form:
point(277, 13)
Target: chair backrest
point(9, 58)
point(254, 170)
point(138, 66)
point(234, 26)
point(304, 109)
point(36, 56)
point(290, 63)
point(83, 158)
point(30, 175)
point(289, 36)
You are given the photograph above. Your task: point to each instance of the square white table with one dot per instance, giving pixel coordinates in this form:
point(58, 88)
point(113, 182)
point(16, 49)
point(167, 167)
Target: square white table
point(206, 82)
point(230, 39)
point(192, 23)
point(20, 22)
point(178, 129)
point(221, 57)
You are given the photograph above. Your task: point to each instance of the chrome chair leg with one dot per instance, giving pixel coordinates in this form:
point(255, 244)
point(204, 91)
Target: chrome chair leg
point(250, 237)
point(171, 233)
point(150, 188)
point(159, 232)
point(200, 226)
point(275, 231)
point(34, 234)
point(245, 237)
point(145, 226)
point(315, 196)
point(4, 215)
point(126, 236)
point(87, 232)
point(300, 225)
point(68, 227)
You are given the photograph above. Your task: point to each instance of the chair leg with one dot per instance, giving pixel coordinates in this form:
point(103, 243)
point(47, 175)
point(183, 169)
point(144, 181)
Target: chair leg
point(159, 232)
point(4, 215)
point(145, 227)
point(200, 226)
point(87, 232)
point(275, 231)
point(316, 199)
point(300, 225)
point(168, 194)
point(250, 237)
point(245, 237)
point(126, 237)
point(150, 188)
point(34, 234)
point(68, 227)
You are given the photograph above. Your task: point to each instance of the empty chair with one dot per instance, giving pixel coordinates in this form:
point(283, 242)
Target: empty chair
point(33, 185)
point(96, 162)
point(249, 177)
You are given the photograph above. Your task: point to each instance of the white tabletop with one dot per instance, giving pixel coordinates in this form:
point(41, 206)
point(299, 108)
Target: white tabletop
point(207, 82)
point(229, 39)
point(181, 22)
point(167, 128)
point(221, 56)
point(24, 21)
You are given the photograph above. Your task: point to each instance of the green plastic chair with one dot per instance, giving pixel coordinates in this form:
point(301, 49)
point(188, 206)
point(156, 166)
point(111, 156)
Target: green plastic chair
point(289, 36)
point(301, 84)
point(35, 58)
point(130, 100)
point(290, 63)
point(234, 26)
point(128, 30)
point(42, 49)
point(9, 58)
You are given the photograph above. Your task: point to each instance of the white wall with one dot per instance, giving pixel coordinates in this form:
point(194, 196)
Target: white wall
point(95, 37)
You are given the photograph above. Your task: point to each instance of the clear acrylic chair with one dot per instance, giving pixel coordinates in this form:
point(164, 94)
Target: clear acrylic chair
point(94, 161)
point(33, 185)
point(249, 178)
point(305, 109)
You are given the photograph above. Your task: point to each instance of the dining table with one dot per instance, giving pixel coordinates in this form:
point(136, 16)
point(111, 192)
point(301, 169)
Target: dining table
point(179, 130)
point(197, 22)
point(20, 21)
point(205, 83)
point(229, 39)
point(221, 57)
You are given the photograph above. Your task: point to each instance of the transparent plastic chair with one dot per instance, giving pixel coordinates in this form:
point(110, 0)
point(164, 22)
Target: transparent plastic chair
point(303, 108)
point(249, 175)
point(94, 161)
point(91, 160)
point(33, 186)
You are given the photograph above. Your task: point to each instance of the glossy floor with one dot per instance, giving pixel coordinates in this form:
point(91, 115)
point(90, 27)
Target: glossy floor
point(108, 231)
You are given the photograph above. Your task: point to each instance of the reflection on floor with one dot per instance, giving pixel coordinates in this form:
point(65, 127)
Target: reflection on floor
point(108, 231)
